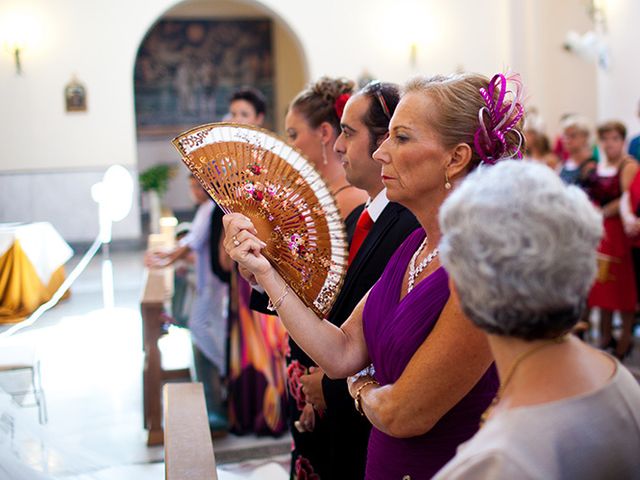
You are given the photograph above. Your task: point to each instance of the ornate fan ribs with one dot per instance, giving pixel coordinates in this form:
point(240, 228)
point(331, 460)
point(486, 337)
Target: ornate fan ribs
point(250, 171)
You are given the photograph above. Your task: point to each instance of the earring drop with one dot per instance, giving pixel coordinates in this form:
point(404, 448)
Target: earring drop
point(447, 183)
point(324, 154)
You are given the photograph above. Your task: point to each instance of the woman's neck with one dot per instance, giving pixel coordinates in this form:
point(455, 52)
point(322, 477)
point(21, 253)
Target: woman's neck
point(547, 370)
point(426, 212)
point(615, 161)
point(507, 350)
point(580, 155)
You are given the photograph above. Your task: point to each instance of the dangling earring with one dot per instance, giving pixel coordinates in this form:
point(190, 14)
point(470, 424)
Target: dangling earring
point(324, 154)
point(447, 183)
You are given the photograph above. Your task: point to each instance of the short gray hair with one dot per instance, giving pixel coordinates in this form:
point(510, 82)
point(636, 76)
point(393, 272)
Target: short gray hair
point(520, 247)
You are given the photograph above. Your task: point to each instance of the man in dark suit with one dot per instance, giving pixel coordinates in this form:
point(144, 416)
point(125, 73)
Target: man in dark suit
point(377, 228)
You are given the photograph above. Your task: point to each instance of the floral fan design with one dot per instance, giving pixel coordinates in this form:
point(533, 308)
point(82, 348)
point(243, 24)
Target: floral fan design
point(251, 171)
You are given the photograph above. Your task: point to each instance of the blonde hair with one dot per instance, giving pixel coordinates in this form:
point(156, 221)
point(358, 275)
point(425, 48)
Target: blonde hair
point(458, 102)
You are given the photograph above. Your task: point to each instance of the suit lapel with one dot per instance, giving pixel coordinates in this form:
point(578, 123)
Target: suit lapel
point(385, 221)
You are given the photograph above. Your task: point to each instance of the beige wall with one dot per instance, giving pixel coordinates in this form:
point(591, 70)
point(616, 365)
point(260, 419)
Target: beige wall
point(619, 86)
point(556, 81)
point(99, 45)
point(98, 41)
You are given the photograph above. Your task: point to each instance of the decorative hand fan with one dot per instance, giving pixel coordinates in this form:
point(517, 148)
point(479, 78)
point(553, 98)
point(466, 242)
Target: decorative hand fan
point(251, 171)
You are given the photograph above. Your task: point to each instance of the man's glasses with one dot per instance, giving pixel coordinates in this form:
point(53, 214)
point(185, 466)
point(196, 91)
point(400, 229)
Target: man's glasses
point(375, 87)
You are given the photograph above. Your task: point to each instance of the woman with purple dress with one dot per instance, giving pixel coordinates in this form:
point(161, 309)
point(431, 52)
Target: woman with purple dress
point(430, 372)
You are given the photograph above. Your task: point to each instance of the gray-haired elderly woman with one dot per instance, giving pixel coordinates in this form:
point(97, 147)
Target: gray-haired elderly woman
point(520, 248)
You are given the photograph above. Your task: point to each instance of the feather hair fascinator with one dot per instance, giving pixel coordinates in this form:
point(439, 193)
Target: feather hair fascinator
point(502, 111)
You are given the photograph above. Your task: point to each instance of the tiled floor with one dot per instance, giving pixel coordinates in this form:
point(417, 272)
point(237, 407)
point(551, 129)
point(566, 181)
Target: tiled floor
point(91, 370)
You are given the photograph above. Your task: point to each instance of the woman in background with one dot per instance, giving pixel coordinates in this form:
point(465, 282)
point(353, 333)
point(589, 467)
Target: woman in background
point(257, 342)
point(630, 214)
point(615, 287)
point(575, 138)
point(538, 149)
point(208, 314)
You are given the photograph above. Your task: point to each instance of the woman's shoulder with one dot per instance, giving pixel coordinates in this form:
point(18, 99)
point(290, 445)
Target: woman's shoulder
point(629, 166)
point(486, 458)
point(540, 441)
point(618, 396)
point(627, 386)
point(635, 182)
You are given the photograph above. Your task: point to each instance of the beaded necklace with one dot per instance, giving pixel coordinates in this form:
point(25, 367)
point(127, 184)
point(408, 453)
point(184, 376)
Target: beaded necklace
point(415, 271)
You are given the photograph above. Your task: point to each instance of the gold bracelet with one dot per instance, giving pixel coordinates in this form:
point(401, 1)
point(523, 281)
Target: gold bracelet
point(272, 307)
point(356, 398)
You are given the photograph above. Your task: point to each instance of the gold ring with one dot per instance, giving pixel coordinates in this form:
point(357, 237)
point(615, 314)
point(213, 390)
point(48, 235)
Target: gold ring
point(235, 241)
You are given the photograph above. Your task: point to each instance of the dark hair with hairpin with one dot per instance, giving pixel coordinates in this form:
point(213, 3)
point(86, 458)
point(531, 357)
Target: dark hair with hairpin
point(384, 100)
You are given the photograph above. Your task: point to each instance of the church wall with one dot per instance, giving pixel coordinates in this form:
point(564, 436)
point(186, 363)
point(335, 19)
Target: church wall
point(619, 87)
point(98, 42)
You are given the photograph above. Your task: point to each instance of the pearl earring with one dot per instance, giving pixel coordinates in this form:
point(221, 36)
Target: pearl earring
point(447, 183)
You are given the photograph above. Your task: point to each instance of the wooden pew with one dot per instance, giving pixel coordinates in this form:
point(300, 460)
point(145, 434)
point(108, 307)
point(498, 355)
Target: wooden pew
point(157, 293)
point(188, 451)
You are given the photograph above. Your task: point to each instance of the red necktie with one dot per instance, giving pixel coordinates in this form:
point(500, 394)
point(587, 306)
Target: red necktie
point(362, 229)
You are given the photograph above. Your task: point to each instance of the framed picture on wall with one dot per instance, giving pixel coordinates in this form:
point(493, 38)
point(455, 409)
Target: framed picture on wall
point(75, 96)
point(186, 71)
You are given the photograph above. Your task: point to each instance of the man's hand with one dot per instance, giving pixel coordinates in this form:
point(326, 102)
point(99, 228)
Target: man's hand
point(307, 421)
point(312, 388)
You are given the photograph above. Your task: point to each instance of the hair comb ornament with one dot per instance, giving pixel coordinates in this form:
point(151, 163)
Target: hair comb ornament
point(251, 171)
point(502, 112)
point(341, 101)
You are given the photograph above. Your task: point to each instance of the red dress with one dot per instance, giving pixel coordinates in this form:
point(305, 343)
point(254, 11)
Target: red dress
point(615, 285)
point(634, 200)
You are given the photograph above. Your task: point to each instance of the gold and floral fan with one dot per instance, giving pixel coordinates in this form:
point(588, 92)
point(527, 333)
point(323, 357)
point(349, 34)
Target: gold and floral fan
point(253, 172)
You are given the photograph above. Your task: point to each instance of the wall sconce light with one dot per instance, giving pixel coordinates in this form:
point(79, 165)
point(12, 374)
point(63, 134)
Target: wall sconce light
point(15, 49)
point(16, 57)
point(16, 32)
point(413, 54)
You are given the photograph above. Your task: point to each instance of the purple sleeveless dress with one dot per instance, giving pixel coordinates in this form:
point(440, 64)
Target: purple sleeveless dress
point(393, 331)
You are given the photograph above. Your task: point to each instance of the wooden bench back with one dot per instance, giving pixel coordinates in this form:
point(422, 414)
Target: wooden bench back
point(188, 451)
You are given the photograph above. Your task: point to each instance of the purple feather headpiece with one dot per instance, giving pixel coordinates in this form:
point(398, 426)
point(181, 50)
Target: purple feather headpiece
point(497, 118)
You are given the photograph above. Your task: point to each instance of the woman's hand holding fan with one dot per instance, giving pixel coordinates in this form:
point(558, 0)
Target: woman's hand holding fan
point(243, 246)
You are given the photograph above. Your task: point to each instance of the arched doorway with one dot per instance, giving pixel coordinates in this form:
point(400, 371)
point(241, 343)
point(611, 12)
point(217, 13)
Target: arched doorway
point(189, 62)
